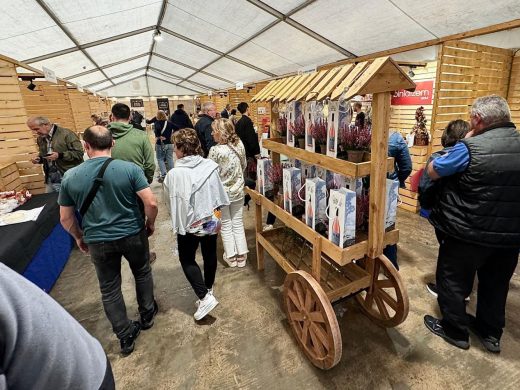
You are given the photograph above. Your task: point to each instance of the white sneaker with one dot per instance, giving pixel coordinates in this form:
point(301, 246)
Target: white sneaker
point(241, 261)
point(205, 306)
point(268, 227)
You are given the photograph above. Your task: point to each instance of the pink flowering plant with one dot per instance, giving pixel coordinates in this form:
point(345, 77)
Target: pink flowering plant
point(319, 131)
point(298, 127)
point(355, 138)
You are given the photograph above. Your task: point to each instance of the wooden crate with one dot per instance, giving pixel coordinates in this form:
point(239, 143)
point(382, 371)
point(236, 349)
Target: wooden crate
point(10, 178)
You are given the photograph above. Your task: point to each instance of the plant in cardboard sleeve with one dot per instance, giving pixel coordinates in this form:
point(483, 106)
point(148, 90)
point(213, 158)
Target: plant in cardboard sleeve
point(297, 129)
point(319, 133)
point(419, 130)
point(275, 175)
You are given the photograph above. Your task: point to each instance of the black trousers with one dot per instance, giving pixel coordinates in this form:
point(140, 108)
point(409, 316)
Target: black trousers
point(456, 267)
point(187, 245)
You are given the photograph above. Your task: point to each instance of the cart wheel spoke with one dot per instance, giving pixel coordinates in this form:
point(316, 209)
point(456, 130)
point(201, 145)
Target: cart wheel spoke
point(386, 300)
point(312, 319)
point(316, 316)
point(296, 316)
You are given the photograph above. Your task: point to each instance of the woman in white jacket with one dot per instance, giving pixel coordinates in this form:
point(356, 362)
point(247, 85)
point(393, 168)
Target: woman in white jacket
point(230, 155)
point(195, 194)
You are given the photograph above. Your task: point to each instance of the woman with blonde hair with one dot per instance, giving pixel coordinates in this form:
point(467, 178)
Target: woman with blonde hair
point(195, 194)
point(163, 130)
point(230, 155)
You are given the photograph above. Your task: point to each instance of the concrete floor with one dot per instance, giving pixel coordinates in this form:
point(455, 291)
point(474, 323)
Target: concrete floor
point(246, 343)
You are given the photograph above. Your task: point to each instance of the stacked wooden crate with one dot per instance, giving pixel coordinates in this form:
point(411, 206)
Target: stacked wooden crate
point(513, 97)
point(17, 143)
point(79, 103)
point(49, 100)
point(10, 178)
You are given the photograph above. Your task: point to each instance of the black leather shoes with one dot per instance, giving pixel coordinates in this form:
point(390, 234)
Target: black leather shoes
point(491, 343)
point(434, 325)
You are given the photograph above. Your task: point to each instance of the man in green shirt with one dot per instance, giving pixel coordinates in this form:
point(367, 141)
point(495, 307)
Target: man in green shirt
point(131, 144)
point(112, 227)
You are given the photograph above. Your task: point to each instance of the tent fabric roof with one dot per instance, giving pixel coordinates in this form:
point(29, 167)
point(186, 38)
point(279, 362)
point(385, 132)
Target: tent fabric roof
point(107, 45)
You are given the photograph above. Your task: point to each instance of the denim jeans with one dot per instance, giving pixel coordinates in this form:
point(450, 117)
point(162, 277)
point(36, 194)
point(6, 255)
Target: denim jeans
point(52, 187)
point(163, 152)
point(106, 257)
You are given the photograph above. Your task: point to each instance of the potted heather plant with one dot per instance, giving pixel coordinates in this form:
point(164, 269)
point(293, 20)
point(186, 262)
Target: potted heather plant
point(282, 127)
point(275, 174)
point(297, 129)
point(356, 141)
point(319, 133)
point(419, 130)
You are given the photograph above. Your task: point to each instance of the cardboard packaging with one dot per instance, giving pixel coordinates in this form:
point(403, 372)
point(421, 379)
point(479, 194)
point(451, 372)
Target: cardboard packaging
point(334, 180)
point(315, 201)
point(308, 171)
point(354, 184)
point(392, 193)
point(264, 183)
point(292, 183)
point(310, 143)
point(332, 130)
point(342, 217)
point(294, 110)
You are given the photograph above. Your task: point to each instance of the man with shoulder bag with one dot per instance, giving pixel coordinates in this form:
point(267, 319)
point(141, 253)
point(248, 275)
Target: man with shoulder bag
point(109, 233)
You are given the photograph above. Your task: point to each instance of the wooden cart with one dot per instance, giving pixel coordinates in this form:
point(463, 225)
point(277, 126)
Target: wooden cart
point(319, 272)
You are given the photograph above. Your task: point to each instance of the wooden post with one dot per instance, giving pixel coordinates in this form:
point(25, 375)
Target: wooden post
point(259, 248)
point(316, 258)
point(376, 218)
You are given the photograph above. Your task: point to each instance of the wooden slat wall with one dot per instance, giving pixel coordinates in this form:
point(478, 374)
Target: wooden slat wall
point(467, 71)
point(402, 119)
point(79, 102)
point(513, 97)
point(49, 100)
point(17, 143)
point(100, 106)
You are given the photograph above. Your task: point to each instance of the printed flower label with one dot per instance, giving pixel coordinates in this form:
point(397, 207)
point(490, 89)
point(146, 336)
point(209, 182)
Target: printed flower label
point(310, 142)
point(332, 130)
point(315, 201)
point(264, 183)
point(392, 193)
point(291, 186)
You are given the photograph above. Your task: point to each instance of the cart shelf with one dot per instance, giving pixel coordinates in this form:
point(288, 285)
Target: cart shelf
point(340, 256)
point(345, 168)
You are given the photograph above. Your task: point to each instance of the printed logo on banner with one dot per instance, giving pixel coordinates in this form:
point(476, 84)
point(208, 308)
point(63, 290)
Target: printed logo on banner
point(422, 95)
point(164, 105)
point(136, 103)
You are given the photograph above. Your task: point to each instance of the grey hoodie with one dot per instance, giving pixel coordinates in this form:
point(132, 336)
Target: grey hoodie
point(193, 190)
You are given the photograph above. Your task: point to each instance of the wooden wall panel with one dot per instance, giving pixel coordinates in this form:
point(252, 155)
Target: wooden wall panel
point(49, 100)
point(17, 143)
point(466, 71)
point(513, 97)
point(79, 103)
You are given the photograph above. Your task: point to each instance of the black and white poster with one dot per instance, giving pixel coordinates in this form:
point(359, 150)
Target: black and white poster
point(164, 105)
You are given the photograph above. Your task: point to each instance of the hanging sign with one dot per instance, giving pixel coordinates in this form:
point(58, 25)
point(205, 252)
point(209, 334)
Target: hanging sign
point(422, 95)
point(239, 85)
point(163, 105)
point(136, 103)
point(210, 93)
point(49, 75)
point(261, 111)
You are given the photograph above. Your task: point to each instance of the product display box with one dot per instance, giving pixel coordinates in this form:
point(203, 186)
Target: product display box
point(315, 201)
point(342, 217)
point(294, 110)
point(392, 193)
point(292, 183)
point(332, 130)
point(264, 183)
point(310, 143)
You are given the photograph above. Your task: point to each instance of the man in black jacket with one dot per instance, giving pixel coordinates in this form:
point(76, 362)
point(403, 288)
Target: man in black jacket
point(226, 111)
point(246, 131)
point(203, 126)
point(181, 118)
point(477, 222)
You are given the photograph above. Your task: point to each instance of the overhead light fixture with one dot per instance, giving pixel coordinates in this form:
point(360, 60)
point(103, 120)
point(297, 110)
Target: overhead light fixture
point(31, 86)
point(157, 37)
point(411, 72)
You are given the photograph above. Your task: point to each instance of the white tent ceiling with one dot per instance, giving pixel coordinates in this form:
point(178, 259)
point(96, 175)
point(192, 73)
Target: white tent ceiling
point(107, 45)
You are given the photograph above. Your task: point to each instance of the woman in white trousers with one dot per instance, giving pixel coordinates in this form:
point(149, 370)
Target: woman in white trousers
point(230, 155)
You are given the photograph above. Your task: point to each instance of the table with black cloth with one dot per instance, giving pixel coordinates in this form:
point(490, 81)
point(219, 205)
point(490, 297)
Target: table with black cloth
point(37, 249)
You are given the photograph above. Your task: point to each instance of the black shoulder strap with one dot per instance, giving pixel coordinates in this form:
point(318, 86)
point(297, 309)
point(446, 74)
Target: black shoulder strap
point(95, 187)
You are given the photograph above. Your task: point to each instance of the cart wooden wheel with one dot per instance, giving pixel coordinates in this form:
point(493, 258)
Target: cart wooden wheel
point(312, 319)
point(386, 300)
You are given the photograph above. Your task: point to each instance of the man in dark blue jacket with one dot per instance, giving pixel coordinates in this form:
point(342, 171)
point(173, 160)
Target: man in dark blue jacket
point(181, 118)
point(203, 127)
point(398, 149)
